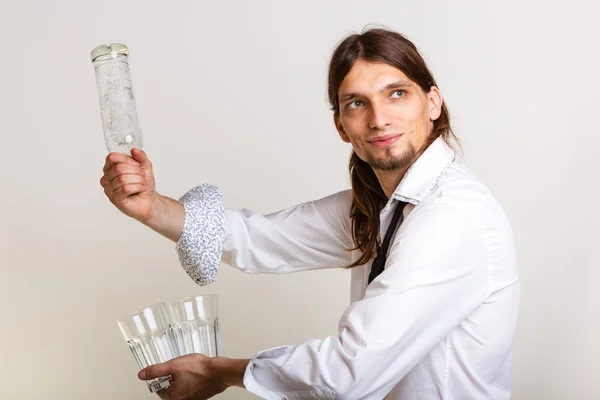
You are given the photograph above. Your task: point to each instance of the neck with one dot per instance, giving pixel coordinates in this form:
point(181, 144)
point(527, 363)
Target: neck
point(389, 180)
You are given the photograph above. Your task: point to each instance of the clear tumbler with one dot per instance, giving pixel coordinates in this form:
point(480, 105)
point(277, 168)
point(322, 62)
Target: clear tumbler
point(195, 325)
point(118, 109)
point(146, 333)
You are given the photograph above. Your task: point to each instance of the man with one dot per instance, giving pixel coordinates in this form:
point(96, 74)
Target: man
point(435, 284)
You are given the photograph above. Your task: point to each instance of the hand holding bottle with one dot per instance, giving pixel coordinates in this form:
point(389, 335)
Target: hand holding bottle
point(128, 182)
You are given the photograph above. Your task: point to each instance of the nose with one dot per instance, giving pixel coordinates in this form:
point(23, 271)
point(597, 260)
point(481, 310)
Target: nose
point(379, 118)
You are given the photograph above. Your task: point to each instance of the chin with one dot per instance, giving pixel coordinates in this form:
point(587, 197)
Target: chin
point(392, 159)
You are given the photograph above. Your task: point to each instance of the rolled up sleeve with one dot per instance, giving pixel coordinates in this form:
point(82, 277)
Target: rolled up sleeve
point(311, 235)
point(200, 245)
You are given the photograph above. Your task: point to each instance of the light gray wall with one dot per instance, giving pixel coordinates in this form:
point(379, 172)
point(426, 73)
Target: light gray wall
point(233, 93)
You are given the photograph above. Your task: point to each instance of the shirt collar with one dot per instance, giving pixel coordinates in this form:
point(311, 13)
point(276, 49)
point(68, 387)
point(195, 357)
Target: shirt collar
point(423, 175)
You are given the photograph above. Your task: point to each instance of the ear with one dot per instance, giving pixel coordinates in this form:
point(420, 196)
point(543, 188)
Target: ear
point(435, 103)
point(340, 129)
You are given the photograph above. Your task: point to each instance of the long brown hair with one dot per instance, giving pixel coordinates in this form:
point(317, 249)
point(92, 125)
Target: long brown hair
point(392, 48)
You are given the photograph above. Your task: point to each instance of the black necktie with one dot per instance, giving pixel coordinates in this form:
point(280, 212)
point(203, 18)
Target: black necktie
point(379, 262)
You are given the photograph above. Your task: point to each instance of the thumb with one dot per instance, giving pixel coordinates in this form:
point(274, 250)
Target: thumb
point(155, 371)
point(141, 157)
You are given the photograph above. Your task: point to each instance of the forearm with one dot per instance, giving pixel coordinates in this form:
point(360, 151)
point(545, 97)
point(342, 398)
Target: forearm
point(230, 371)
point(167, 217)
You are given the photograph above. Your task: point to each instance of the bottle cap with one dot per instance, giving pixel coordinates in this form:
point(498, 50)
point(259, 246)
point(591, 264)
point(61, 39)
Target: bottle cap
point(112, 49)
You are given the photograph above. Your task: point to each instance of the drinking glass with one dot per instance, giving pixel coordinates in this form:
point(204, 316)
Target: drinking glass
point(195, 325)
point(146, 333)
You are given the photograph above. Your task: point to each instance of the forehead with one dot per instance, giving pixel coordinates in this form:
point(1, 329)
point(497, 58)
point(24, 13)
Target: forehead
point(366, 77)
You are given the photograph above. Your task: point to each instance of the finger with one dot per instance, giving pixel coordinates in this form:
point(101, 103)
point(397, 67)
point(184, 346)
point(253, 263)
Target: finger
point(155, 371)
point(140, 156)
point(122, 168)
point(126, 179)
point(114, 158)
point(128, 190)
point(164, 394)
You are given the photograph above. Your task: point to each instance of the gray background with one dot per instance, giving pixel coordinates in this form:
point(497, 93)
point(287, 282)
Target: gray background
point(233, 93)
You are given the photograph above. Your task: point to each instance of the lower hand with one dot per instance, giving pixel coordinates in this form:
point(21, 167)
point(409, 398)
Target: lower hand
point(196, 376)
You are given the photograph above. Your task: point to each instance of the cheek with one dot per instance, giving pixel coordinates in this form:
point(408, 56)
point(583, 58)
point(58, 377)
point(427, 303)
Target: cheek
point(355, 131)
point(416, 116)
point(357, 143)
point(354, 124)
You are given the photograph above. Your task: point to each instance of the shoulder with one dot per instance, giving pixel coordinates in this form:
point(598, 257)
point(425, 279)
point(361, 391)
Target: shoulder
point(460, 191)
point(459, 206)
point(461, 214)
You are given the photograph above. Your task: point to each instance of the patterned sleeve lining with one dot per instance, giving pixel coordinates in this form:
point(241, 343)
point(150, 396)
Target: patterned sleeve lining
point(201, 243)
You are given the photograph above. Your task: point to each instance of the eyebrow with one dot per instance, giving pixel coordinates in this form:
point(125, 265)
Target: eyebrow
point(394, 85)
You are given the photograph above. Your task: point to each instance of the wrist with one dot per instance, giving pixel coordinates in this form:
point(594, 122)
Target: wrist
point(157, 211)
point(166, 216)
point(230, 372)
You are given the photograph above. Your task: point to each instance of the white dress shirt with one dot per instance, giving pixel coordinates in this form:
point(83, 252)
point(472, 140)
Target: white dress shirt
point(437, 323)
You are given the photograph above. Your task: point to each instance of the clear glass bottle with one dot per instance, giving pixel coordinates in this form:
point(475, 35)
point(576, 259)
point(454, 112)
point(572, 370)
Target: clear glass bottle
point(118, 109)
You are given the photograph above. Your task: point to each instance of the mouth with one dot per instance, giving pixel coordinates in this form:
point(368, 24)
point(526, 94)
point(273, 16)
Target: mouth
point(385, 140)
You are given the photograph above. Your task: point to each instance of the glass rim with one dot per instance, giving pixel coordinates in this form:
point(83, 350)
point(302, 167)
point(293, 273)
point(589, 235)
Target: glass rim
point(165, 305)
point(141, 310)
point(202, 296)
point(112, 49)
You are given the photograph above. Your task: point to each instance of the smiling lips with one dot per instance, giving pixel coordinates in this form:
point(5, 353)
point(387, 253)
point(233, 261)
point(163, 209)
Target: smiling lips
point(384, 141)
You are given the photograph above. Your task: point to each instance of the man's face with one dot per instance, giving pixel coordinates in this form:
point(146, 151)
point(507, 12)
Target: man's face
point(384, 115)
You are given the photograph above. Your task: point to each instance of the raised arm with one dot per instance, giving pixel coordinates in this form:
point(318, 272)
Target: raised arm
point(307, 236)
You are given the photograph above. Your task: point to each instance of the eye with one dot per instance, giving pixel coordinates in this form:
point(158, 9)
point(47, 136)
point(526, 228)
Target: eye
point(355, 104)
point(398, 94)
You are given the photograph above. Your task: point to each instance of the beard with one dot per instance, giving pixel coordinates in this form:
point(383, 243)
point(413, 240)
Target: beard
point(389, 162)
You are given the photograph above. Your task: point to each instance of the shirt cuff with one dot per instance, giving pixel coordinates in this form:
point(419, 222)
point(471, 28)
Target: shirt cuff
point(271, 375)
point(201, 243)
